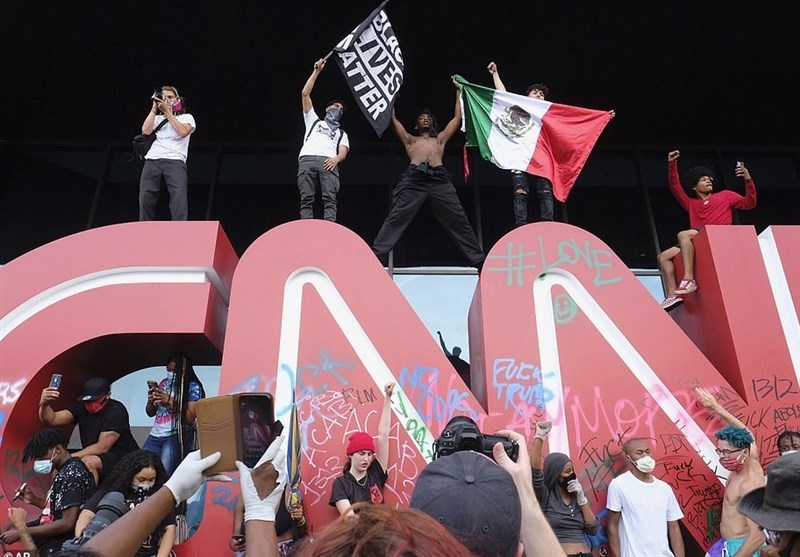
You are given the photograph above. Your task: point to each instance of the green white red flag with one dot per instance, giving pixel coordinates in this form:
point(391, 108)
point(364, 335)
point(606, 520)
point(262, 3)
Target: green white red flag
point(516, 132)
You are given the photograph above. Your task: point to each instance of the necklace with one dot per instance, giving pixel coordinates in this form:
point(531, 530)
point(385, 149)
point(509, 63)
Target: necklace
point(362, 482)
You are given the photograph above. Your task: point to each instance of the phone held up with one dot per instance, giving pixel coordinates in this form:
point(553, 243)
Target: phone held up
point(152, 385)
point(55, 381)
point(240, 426)
point(739, 164)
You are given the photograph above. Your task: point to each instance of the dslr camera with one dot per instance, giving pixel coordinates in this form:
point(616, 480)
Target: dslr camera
point(462, 434)
point(111, 507)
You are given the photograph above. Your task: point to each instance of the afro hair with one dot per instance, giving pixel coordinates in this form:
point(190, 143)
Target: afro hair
point(739, 437)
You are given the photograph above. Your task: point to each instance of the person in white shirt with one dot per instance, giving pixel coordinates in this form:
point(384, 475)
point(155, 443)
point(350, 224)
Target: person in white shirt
point(325, 145)
point(643, 513)
point(166, 158)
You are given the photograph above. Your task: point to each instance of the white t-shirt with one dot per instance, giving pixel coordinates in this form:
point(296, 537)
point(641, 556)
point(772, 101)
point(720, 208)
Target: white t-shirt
point(645, 510)
point(321, 141)
point(169, 144)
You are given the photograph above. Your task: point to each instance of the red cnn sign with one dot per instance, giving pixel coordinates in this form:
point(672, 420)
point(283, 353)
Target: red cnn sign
point(559, 329)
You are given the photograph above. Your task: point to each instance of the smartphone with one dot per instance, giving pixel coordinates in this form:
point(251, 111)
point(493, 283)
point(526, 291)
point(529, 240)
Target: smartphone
point(238, 538)
point(55, 381)
point(739, 164)
point(152, 386)
point(256, 420)
point(240, 426)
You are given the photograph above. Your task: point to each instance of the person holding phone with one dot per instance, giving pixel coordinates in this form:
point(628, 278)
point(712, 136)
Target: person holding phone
point(173, 403)
point(104, 424)
point(365, 472)
point(166, 158)
point(695, 193)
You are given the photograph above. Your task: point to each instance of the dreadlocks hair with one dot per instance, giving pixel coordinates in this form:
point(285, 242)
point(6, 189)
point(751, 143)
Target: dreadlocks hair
point(690, 178)
point(44, 440)
point(121, 476)
point(434, 121)
point(739, 437)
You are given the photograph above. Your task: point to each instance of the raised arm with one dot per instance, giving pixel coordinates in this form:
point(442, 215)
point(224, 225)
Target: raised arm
point(707, 400)
point(305, 94)
point(399, 130)
point(498, 83)
point(47, 415)
point(453, 125)
point(674, 179)
point(382, 445)
point(749, 199)
point(536, 535)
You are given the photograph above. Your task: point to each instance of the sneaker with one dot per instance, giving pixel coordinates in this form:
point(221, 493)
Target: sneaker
point(687, 286)
point(671, 303)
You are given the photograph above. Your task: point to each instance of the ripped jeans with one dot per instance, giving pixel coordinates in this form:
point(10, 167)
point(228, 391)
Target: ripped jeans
point(544, 191)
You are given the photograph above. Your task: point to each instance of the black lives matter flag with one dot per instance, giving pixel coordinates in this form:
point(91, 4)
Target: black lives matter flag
point(372, 64)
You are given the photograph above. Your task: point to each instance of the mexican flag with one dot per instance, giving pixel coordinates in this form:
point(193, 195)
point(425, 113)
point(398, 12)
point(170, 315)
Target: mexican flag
point(522, 133)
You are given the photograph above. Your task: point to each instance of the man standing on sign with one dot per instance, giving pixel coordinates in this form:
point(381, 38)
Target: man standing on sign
point(325, 145)
point(427, 178)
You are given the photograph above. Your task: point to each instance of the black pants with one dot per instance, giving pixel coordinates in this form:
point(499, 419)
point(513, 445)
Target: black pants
point(544, 191)
point(310, 172)
point(418, 184)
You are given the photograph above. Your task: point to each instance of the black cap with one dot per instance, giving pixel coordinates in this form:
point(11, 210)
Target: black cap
point(776, 506)
point(94, 388)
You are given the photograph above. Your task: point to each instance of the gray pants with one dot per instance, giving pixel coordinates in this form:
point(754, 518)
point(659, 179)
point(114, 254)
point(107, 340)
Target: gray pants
point(177, 179)
point(310, 173)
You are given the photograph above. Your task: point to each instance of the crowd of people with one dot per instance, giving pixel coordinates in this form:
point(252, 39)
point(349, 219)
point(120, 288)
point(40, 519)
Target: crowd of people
point(470, 500)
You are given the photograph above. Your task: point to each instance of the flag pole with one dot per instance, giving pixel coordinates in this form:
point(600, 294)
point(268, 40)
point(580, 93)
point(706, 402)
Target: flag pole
point(334, 49)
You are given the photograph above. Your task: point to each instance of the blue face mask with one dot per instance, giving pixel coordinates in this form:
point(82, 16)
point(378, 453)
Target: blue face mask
point(43, 466)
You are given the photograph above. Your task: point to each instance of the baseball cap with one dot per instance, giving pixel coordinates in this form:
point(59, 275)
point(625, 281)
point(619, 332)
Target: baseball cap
point(475, 499)
point(777, 505)
point(94, 388)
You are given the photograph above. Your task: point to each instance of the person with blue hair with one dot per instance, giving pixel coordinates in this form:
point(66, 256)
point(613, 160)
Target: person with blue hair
point(738, 454)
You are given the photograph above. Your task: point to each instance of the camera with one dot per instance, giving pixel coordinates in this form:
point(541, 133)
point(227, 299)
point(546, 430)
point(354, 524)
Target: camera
point(111, 507)
point(158, 94)
point(462, 434)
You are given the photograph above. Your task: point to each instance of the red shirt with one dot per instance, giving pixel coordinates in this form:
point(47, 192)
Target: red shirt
point(715, 209)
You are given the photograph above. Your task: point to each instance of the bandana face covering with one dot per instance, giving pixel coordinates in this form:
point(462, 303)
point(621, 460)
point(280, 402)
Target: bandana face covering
point(332, 117)
point(94, 406)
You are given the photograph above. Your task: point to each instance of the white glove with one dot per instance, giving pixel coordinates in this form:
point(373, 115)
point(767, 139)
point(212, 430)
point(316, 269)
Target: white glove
point(188, 476)
point(542, 429)
point(256, 508)
point(574, 486)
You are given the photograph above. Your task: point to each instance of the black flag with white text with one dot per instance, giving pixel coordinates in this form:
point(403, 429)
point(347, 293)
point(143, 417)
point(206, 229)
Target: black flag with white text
point(372, 64)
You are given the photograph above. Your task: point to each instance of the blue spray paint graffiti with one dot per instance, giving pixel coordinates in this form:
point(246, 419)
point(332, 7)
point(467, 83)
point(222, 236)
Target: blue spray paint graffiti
point(428, 403)
point(520, 382)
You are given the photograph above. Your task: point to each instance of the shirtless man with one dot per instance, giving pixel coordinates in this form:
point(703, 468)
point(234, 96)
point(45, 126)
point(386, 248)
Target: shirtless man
point(738, 454)
point(426, 178)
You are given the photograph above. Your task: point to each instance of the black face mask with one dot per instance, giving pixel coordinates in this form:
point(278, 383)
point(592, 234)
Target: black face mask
point(565, 481)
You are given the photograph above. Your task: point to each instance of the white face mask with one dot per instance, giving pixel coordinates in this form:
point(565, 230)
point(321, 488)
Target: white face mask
point(646, 464)
point(142, 487)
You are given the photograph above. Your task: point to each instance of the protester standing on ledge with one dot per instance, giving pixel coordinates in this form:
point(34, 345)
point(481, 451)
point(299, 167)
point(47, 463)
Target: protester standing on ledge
point(426, 178)
point(167, 156)
point(325, 145)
